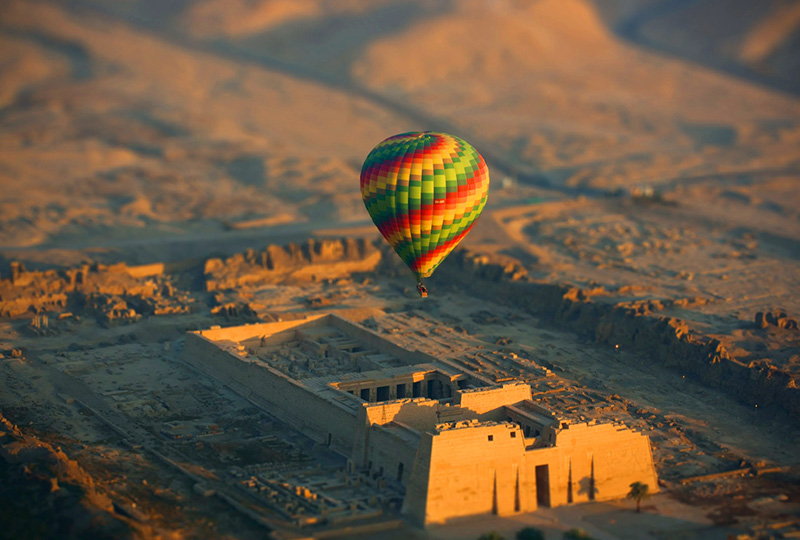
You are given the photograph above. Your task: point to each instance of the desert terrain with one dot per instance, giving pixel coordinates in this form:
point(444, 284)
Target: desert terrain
point(167, 167)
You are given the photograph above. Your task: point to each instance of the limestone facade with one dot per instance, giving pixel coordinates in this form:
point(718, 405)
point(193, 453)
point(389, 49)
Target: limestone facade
point(459, 443)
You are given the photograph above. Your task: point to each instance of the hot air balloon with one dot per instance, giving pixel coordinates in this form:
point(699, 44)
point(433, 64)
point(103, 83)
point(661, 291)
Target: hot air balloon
point(424, 191)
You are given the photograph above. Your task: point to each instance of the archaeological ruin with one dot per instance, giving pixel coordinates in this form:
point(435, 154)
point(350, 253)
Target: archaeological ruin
point(458, 443)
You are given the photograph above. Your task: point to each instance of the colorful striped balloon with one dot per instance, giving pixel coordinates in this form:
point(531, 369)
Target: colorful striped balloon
point(424, 191)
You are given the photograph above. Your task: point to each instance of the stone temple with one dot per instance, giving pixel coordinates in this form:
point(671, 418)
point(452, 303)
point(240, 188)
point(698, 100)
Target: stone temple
point(459, 443)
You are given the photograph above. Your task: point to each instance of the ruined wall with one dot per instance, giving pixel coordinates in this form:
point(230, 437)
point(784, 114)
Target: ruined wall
point(418, 413)
point(666, 340)
point(313, 259)
point(485, 400)
point(281, 396)
point(115, 293)
point(251, 331)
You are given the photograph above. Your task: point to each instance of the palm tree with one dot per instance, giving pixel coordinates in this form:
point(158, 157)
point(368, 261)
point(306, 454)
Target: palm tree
point(638, 493)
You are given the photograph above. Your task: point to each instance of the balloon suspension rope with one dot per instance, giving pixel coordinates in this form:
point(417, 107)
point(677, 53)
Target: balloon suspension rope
point(423, 290)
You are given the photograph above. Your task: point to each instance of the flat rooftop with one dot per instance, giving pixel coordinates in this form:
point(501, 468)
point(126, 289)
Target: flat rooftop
point(320, 351)
point(334, 358)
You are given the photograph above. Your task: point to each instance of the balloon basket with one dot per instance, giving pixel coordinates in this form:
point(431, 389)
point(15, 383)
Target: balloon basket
point(423, 290)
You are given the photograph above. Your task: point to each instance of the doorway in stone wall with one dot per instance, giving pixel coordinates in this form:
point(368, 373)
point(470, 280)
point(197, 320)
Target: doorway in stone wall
point(543, 485)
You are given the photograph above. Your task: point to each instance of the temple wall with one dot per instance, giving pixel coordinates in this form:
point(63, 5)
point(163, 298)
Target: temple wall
point(533, 426)
point(457, 457)
point(390, 455)
point(283, 397)
point(484, 400)
point(250, 331)
point(460, 472)
point(416, 499)
point(424, 414)
point(421, 414)
point(469, 474)
point(605, 459)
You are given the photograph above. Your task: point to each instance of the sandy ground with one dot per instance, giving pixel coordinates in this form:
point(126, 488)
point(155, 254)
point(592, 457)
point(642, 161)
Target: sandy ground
point(648, 148)
point(133, 377)
point(128, 129)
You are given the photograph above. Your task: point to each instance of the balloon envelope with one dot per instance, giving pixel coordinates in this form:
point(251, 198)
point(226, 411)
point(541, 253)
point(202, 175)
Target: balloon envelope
point(424, 191)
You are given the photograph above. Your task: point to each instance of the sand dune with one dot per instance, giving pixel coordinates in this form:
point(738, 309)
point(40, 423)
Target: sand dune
point(142, 120)
point(756, 40)
point(589, 100)
point(151, 132)
point(214, 17)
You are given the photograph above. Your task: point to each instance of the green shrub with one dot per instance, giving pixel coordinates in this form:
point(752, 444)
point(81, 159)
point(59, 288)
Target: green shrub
point(530, 533)
point(577, 534)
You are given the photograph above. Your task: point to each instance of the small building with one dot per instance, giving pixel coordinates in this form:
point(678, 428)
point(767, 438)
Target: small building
point(459, 443)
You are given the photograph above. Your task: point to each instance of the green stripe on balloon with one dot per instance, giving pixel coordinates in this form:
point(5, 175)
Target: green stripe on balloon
point(436, 171)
